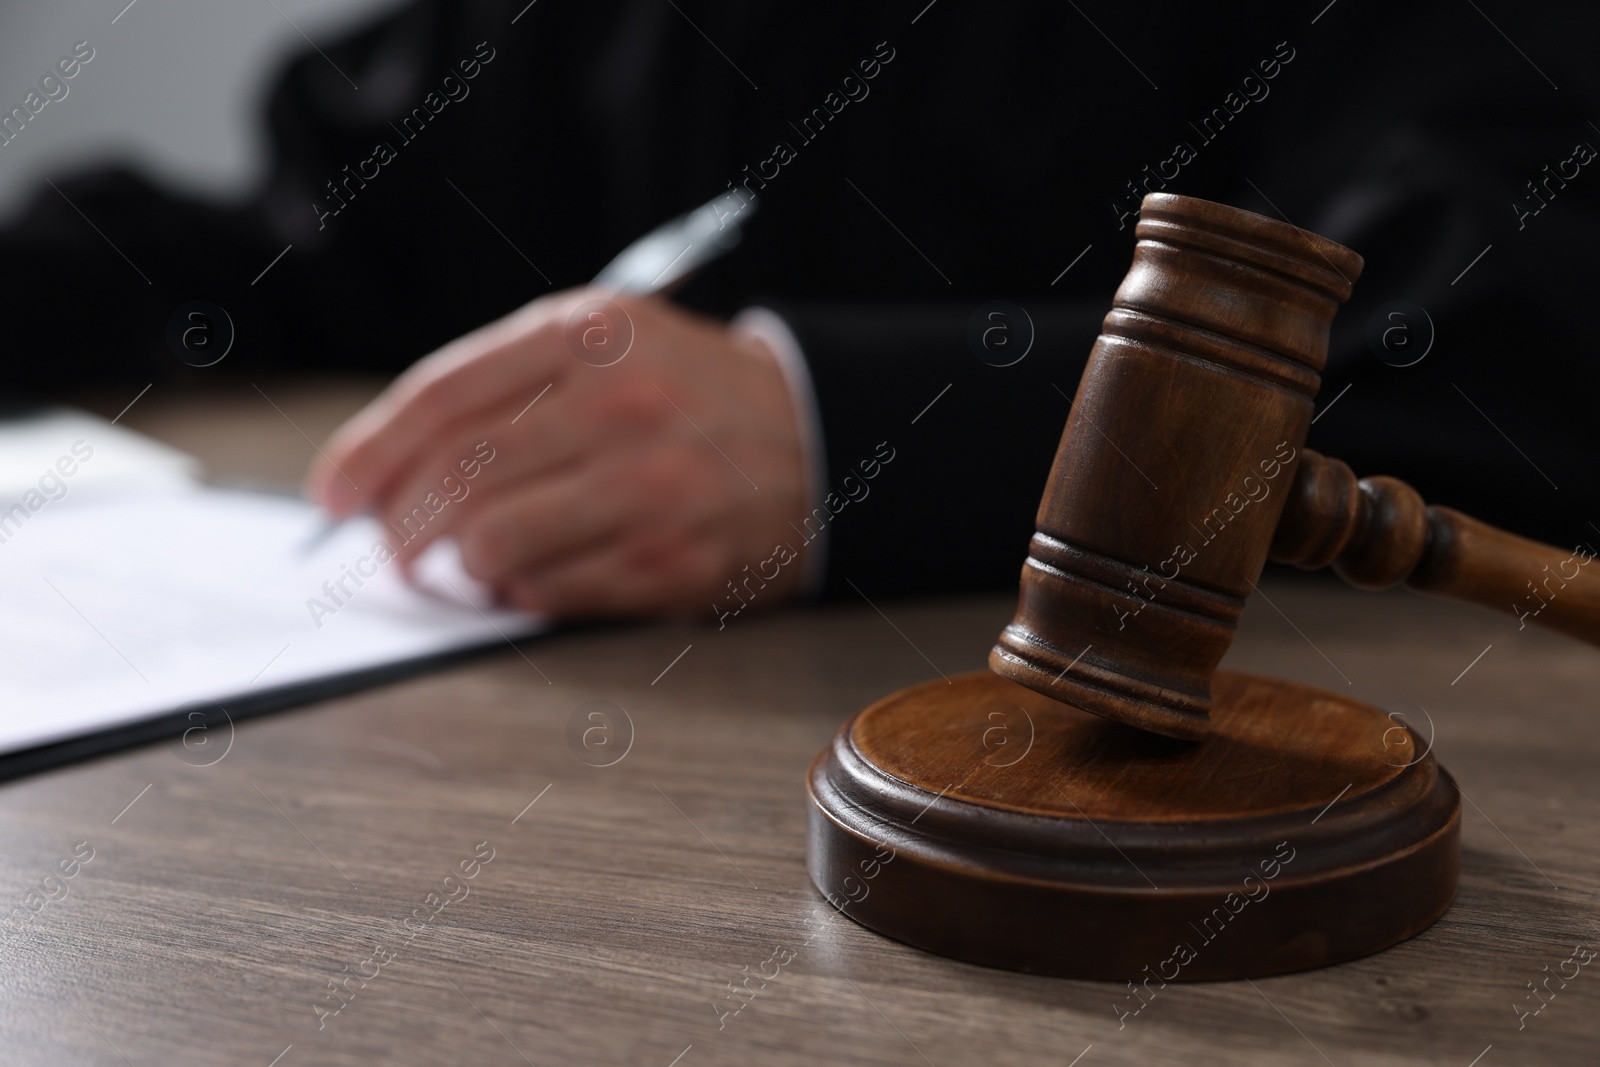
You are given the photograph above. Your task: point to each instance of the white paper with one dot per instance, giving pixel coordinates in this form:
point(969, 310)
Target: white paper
point(37, 455)
point(130, 605)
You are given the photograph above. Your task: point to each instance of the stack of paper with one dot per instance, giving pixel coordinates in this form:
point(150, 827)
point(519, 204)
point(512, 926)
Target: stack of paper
point(132, 597)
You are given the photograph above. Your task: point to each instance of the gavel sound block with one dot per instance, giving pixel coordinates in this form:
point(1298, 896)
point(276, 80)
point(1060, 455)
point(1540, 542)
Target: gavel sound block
point(1105, 803)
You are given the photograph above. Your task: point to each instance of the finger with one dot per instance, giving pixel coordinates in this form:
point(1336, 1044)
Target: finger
point(370, 454)
point(612, 425)
point(535, 523)
point(622, 577)
point(435, 505)
point(507, 359)
point(479, 465)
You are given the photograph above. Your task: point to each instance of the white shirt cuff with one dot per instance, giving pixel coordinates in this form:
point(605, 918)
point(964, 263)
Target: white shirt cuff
point(768, 327)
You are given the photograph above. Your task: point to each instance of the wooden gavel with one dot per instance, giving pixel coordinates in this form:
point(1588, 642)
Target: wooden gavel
point(1182, 469)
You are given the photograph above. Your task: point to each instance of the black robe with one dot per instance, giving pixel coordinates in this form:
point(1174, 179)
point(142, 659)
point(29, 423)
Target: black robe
point(914, 162)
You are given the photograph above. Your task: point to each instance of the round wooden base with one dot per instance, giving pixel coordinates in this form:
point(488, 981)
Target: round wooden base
point(978, 819)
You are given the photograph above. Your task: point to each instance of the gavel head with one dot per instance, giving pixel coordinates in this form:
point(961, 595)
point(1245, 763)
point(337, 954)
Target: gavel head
point(1175, 462)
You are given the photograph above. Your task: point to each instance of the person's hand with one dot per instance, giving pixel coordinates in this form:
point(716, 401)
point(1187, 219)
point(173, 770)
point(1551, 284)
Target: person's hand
point(573, 488)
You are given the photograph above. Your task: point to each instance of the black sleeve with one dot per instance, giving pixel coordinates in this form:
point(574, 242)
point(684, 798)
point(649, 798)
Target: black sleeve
point(969, 400)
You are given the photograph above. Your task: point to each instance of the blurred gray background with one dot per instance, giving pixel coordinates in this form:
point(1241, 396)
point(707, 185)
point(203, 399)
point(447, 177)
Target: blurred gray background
point(175, 86)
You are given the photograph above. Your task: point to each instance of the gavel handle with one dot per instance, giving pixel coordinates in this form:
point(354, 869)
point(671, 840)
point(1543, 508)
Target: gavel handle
point(1378, 532)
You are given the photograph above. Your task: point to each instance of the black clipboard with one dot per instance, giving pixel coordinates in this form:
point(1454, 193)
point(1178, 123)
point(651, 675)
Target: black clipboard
point(222, 714)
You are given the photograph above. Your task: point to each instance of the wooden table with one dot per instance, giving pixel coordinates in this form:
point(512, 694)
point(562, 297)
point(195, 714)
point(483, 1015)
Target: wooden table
point(621, 901)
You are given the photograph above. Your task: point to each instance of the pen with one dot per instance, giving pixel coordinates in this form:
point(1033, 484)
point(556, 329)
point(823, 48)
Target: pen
point(654, 263)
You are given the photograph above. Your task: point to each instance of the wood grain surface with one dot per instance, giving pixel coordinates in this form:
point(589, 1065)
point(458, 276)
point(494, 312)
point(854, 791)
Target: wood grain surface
point(1378, 532)
point(977, 819)
point(619, 908)
point(1274, 748)
point(1144, 552)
